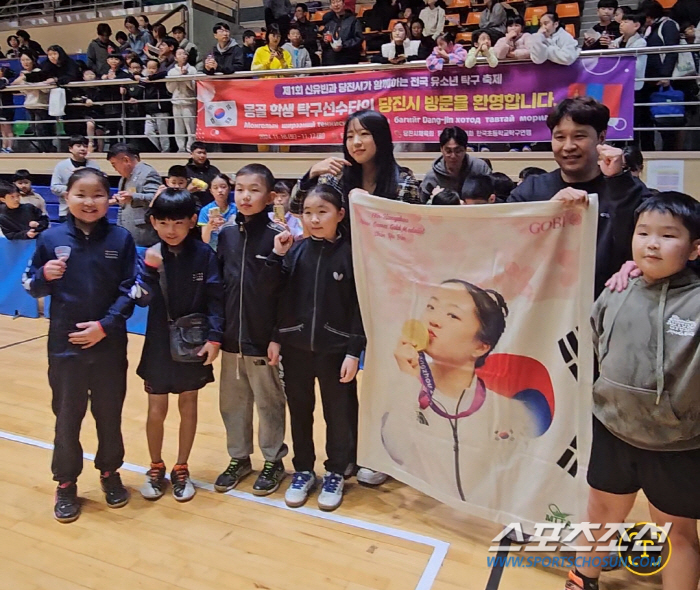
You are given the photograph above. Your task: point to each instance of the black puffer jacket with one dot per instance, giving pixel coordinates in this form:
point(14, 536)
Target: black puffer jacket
point(348, 29)
point(319, 311)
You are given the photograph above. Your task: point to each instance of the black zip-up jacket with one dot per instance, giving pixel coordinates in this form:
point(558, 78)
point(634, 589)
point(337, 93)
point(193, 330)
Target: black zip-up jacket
point(14, 223)
point(100, 273)
point(134, 109)
point(157, 91)
point(318, 307)
point(112, 93)
point(348, 29)
point(206, 173)
point(249, 310)
point(618, 197)
point(228, 61)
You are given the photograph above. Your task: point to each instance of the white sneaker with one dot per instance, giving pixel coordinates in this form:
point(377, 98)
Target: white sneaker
point(154, 486)
point(331, 495)
point(370, 477)
point(183, 489)
point(303, 483)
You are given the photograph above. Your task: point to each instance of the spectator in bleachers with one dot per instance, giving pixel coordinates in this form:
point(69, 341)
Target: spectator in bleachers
point(19, 221)
point(481, 48)
point(529, 171)
point(447, 52)
point(113, 95)
point(278, 12)
point(309, 31)
point(516, 44)
point(26, 42)
point(7, 111)
point(493, 17)
point(36, 101)
point(479, 190)
point(91, 113)
point(295, 47)
point(166, 55)
point(433, 17)
point(227, 55)
point(342, 36)
point(602, 34)
point(193, 57)
point(630, 28)
point(271, 56)
point(157, 112)
point(144, 23)
point(620, 12)
point(137, 38)
point(134, 107)
point(377, 18)
point(100, 48)
point(199, 167)
point(159, 33)
point(401, 47)
point(427, 44)
point(184, 100)
point(13, 43)
point(660, 32)
point(588, 166)
point(249, 48)
point(454, 166)
point(57, 69)
point(137, 188)
point(686, 11)
point(78, 150)
point(553, 43)
point(22, 179)
point(122, 41)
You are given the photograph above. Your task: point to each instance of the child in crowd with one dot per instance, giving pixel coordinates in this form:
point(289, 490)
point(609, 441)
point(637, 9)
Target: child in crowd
point(90, 304)
point(482, 48)
point(321, 337)
point(282, 199)
point(157, 108)
point(184, 100)
point(502, 186)
point(447, 52)
point(113, 94)
point(200, 168)
point(221, 210)
point(634, 160)
point(478, 190)
point(122, 40)
point(646, 434)
point(295, 47)
point(180, 277)
point(89, 95)
point(529, 171)
point(445, 196)
point(249, 372)
point(23, 181)
point(19, 221)
point(134, 108)
point(601, 35)
point(177, 178)
point(249, 48)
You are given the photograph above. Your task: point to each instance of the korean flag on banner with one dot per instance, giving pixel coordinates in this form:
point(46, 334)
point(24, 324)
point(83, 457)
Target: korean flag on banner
point(221, 114)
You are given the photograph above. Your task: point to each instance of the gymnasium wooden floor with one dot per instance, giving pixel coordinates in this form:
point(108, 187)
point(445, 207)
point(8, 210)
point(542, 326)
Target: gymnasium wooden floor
point(215, 541)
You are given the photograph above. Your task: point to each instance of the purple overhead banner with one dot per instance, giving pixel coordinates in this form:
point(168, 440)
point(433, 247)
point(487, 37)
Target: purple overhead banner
point(508, 103)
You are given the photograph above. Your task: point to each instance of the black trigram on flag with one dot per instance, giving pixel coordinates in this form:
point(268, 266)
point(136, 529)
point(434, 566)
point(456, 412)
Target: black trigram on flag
point(568, 346)
point(568, 460)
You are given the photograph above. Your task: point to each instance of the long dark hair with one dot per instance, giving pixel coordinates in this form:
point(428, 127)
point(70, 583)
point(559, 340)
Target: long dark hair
point(491, 311)
point(387, 168)
point(62, 55)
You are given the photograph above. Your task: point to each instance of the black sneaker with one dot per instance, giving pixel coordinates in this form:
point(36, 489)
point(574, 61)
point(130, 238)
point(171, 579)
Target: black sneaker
point(237, 469)
point(115, 492)
point(67, 506)
point(269, 479)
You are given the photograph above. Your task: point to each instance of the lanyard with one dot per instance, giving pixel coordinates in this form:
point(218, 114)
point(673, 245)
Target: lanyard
point(425, 397)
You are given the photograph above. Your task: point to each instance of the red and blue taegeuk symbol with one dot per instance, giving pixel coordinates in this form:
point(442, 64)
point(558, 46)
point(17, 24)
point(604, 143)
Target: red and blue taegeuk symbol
point(219, 113)
point(523, 379)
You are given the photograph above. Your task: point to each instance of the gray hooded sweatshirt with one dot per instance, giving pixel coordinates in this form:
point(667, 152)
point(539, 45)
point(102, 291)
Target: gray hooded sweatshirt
point(648, 346)
point(438, 175)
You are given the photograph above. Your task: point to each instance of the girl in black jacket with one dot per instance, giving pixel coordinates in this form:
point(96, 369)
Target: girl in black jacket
point(321, 337)
point(189, 270)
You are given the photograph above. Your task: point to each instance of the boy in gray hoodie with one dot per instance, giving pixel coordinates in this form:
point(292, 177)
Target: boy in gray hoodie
point(646, 423)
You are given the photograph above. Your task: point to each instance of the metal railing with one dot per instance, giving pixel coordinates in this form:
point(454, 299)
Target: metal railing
point(120, 124)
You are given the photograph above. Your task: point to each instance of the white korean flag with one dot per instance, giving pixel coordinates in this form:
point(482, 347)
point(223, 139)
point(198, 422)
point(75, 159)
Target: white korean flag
point(221, 113)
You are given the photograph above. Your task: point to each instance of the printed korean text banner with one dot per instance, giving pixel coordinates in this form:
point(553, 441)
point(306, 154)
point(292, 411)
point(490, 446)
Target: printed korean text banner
point(477, 378)
point(507, 104)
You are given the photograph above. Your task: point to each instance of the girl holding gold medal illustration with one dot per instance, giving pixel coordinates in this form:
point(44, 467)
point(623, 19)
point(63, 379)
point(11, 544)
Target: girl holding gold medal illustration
point(469, 399)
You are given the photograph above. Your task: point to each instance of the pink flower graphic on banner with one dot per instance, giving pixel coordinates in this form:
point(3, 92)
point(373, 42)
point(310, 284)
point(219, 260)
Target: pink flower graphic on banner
point(514, 281)
point(568, 274)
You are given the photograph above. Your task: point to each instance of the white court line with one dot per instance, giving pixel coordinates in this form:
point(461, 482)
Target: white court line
point(429, 573)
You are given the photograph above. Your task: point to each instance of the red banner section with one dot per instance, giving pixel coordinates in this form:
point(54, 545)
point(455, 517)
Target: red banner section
point(506, 104)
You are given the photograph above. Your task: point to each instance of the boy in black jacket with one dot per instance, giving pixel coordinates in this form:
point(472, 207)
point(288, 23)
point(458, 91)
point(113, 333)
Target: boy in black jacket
point(19, 221)
point(248, 365)
point(156, 112)
point(587, 166)
point(88, 267)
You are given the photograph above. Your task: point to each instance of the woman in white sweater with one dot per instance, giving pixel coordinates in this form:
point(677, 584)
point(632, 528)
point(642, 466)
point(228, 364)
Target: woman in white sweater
point(401, 47)
point(433, 17)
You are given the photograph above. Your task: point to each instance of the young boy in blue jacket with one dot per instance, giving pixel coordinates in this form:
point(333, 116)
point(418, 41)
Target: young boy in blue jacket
point(88, 267)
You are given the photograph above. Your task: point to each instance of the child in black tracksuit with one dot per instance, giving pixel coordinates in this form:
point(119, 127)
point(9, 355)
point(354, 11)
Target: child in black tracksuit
point(321, 336)
point(190, 272)
point(88, 268)
point(19, 221)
